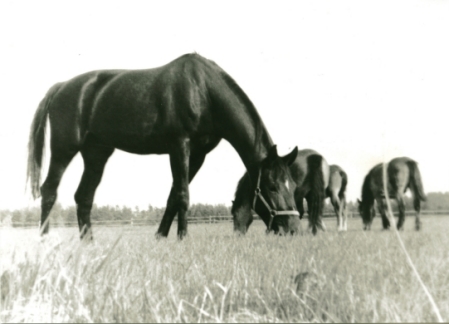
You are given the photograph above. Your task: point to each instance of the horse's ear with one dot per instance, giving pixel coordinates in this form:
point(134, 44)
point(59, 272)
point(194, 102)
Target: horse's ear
point(272, 153)
point(358, 201)
point(232, 202)
point(291, 157)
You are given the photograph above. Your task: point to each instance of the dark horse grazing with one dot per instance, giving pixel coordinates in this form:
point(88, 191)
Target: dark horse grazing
point(310, 176)
point(336, 191)
point(182, 109)
point(403, 173)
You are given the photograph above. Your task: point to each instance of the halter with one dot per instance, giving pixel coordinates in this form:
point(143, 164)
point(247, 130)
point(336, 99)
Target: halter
point(273, 213)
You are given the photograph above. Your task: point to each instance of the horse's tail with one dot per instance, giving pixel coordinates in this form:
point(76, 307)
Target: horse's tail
point(37, 141)
point(344, 183)
point(317, 192)
point(415, 180)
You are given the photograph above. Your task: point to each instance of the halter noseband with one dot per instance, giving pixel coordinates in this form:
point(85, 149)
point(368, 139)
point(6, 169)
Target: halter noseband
point(273, 213)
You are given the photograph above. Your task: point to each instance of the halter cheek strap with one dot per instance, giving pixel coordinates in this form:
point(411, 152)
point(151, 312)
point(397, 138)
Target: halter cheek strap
point(273, 213)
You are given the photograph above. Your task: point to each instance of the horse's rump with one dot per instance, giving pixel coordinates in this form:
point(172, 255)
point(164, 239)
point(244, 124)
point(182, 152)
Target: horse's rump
point(415, 180)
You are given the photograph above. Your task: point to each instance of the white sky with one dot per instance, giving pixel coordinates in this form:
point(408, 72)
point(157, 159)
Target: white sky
point(357, 81)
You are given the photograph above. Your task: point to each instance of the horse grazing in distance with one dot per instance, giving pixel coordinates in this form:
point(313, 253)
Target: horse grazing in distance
point(310, 177)
point(403, 174)
point(182, 109)
point(336, 191)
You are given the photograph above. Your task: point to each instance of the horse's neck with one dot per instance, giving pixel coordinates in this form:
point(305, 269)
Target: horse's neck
point(251, 147)
point(239, 122)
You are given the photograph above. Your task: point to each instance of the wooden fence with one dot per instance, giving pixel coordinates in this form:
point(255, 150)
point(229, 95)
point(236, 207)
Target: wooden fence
point(195, 220)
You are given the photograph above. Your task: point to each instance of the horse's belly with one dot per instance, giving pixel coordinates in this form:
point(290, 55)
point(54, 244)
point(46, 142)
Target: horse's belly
point(137, 143)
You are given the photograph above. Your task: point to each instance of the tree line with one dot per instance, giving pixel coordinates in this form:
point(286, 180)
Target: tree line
point(31, 215)
point(67, 215)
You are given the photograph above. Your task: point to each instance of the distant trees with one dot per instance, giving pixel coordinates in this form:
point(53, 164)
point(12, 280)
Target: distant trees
point(435, 201)
point(65, 216)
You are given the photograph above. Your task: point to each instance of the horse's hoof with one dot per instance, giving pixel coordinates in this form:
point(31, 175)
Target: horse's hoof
point(159, 236)
point(182, 235)
point(417, 226)
point(86, 238)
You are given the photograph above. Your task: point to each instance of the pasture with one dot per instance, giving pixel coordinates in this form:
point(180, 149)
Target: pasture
point(126, 275)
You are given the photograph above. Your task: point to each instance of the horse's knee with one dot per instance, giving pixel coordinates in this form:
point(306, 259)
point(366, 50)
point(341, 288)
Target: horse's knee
point(181, 200)
point(49, 195)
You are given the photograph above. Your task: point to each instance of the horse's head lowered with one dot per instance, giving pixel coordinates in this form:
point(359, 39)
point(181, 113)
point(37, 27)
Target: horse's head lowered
point(269, 192)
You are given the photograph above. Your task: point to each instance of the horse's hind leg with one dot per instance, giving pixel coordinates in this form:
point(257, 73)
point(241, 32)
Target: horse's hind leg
point(401, 207)
point(335, 200)
point(95, 157)
point(315, 221)
point(299, 200)
point(417, 206)
point(58, 164)
point(344, 214)
point(383, 213)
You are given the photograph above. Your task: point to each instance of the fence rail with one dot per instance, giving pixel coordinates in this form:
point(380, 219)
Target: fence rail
point(193, 220)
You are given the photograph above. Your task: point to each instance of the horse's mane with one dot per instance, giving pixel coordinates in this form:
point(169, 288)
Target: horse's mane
point(251, 109)
point(344, 181)
point(246, 102)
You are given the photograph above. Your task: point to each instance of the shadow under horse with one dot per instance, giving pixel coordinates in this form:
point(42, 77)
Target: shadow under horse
point(183, 109)
point(309, 178)
point(336, 191)
point(402, 174)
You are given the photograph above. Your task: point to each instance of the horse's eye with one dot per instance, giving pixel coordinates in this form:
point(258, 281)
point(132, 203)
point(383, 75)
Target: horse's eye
point(272, 188)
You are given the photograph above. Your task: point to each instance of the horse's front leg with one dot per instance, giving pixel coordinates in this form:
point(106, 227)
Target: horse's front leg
point(178, 201)
point(383, 213)
point(417, 206)
point(336, 203)
point(401, 207)
point(344, 213)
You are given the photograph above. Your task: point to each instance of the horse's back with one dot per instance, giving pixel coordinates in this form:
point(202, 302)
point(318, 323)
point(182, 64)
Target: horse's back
point(400, 163)
point(148, 107)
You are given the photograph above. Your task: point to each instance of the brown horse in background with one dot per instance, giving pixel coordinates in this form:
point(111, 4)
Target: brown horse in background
point(336, 191)
point(182, 109)
point(403, 174)
point(310, 174)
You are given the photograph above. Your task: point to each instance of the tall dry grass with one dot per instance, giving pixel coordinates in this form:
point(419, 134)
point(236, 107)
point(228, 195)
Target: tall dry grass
point(126, 275)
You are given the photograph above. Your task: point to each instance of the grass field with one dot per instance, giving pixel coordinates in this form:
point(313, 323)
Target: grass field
point(126, 275)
